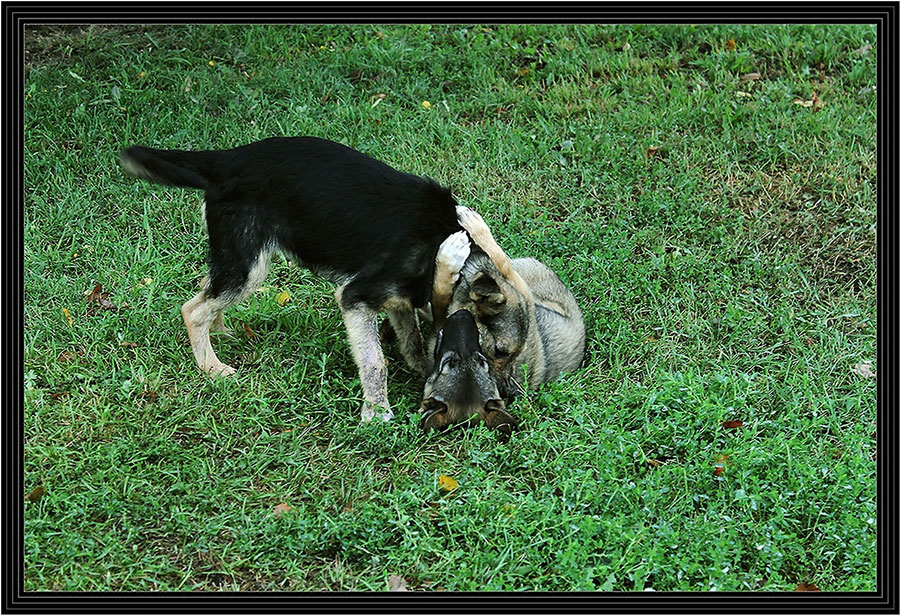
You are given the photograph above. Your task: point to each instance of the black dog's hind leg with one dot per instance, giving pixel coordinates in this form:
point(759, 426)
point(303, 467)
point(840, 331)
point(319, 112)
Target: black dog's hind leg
point(200, 314)
point(238, 263)
point(403, 319)
point(362, 333)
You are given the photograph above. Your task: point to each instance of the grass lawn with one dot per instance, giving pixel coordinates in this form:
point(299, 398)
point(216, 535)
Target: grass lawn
point(707, 192)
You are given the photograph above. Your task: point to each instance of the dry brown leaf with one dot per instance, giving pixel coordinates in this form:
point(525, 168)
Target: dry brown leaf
point(815, 102)
point(65, 356)
point(730, 45)
point(654, 462)
point(864, 369)
point(807, 587)
point(732, 424)
point(721, 462)
point(397, 583)
point(128, 344)
point(281, 509)
point(99, 299)
point(248, 332)
point(149, 396)
point(67, 316)
point(59, 395)
point(35, 494)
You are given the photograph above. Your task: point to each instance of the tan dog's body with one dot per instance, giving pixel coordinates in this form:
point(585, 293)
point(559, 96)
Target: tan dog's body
point(528, 323)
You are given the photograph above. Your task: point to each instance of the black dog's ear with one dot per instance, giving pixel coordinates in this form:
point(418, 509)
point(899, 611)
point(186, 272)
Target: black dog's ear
point(496, 417)
point(486, 294)
point(435, 415)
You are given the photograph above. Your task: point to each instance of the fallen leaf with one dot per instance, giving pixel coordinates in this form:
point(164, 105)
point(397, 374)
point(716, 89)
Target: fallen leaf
point(59, 395)
point(281, 509)
point(149, 396)
point(807, 587)
point(864, 369)
point(730, 45)
point(248, 332)
point(721, 462)
point(817, 103)
point(732, 424)
point(282, 298)
point(65, 356)
point(751, 77)
point(128, 344)
point(862, 50)
point(397, 583)
point(654, 462)
point(447, 483)
point(100, 299)
point(35, 494)
point(67, 316)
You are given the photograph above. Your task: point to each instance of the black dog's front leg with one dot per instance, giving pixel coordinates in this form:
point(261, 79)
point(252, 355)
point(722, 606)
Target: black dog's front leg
point(362, 333)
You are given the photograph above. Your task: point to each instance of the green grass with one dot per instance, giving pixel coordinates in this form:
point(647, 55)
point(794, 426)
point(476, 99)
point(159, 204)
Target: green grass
point(730, 275)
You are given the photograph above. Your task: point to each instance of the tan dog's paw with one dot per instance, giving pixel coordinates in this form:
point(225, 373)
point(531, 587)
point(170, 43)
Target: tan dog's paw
point(453, 253)
point(472, 221)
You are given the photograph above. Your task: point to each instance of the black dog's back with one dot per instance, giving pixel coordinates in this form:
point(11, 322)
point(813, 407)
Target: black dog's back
point(334, 209)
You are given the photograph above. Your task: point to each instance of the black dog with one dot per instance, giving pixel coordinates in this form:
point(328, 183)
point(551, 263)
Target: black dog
point(371, 229)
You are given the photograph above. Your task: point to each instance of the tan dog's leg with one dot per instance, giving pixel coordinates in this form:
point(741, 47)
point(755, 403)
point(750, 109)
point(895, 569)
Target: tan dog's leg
point(470, 220)
point(362, 333)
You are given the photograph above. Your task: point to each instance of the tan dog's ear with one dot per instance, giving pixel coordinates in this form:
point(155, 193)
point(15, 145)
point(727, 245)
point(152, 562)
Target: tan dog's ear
point(486, 294)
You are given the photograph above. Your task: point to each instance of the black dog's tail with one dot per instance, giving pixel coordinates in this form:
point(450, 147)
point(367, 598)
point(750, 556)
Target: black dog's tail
point(170, 167)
